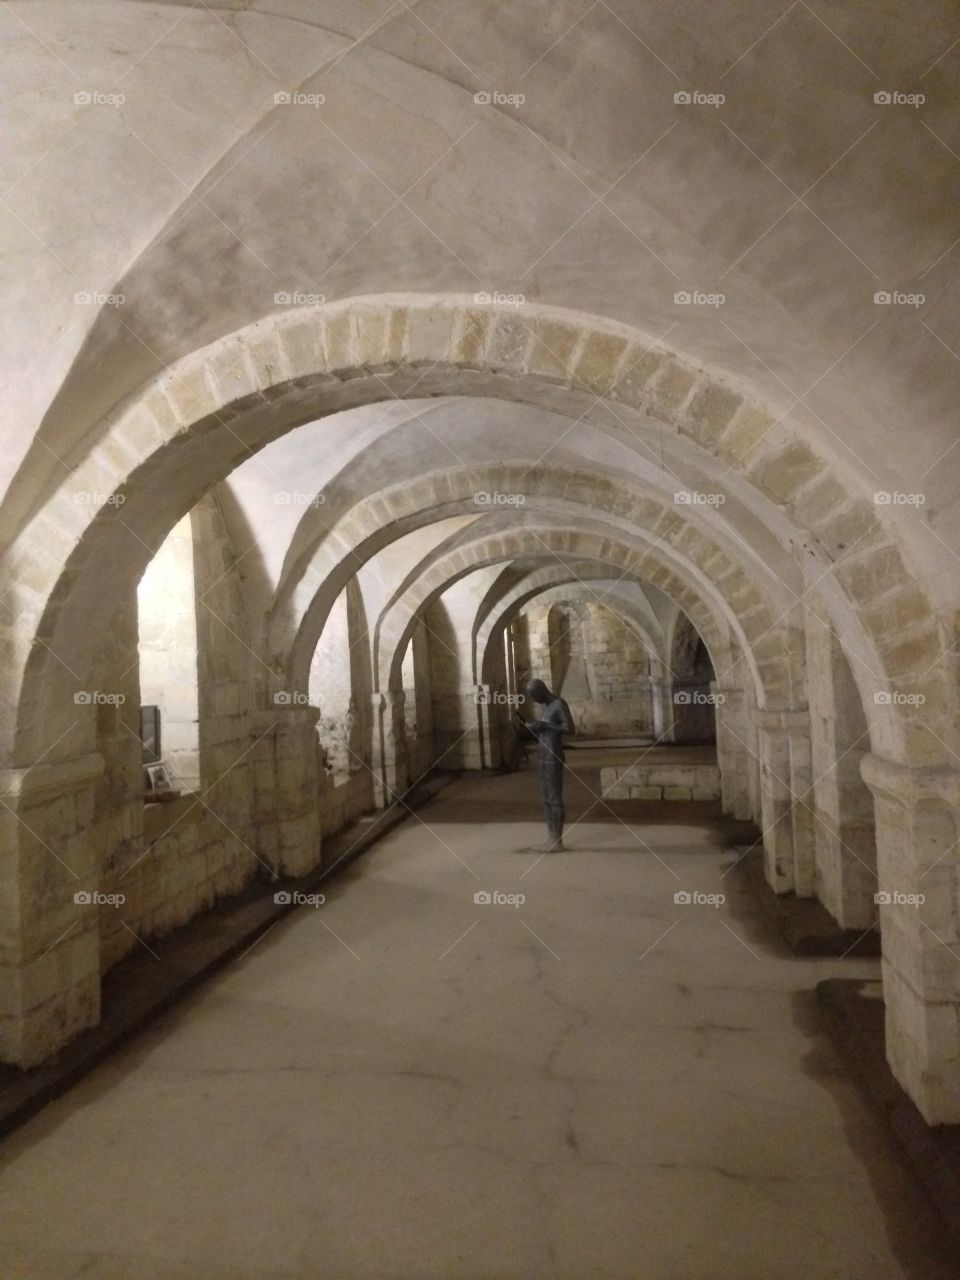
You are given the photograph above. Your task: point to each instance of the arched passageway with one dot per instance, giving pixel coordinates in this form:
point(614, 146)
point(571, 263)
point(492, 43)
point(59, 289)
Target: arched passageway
point(366, 375)
point(471, 524)
point(679, 551)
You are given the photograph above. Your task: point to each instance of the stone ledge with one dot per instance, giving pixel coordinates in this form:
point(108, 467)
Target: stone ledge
point(160, 816)
point(805, 924)
point(37, 782)
point(853, 1012)
point(138, 989)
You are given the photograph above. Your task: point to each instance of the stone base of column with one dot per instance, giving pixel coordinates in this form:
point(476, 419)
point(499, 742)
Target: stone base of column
point(921, 1044)
point(389, 765)
point(732, 751)
point(52, 998)
point(288, 785)
point(854, 1017)
point(918, 818)
point(785, 800)
point(49, 919)
point(805, 925)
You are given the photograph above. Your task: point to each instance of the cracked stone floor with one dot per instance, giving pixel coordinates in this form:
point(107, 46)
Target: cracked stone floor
point(403, 1084)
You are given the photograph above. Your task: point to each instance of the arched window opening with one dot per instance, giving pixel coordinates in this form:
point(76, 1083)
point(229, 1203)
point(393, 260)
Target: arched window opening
point(331, 689)
point(167, 622)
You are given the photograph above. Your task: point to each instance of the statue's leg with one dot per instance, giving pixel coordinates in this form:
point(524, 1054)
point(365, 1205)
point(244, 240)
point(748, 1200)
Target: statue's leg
point(554, 805)
point(543, 778)
point(550, 778)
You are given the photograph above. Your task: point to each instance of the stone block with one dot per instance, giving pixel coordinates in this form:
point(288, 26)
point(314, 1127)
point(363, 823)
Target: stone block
point(710, 412)
point(599, 361)
point(472, 332)
point(231, 372)
point(746, 432)
point(917, 653)
point(430, 335)
point(639, 368)
point(788, 470)
point(875, 574)
point(509, 341)
point(898, 612)
point(552, 349)
point(616, 792)
point(190, 393)
point(301, 340)
point(670, 390)
point(856, 527)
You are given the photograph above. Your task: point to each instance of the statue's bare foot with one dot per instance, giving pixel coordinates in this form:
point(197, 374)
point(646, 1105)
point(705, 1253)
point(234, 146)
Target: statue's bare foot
point(552, 846)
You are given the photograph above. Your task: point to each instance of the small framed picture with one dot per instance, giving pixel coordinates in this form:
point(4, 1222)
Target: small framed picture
point(157, 779)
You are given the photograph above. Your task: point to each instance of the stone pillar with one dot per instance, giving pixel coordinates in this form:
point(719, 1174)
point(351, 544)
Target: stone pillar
point(288, 779)
point(49, 919)
point(467, 727)
point(752, 736)
point(389, 764)
point(469, 748)
point(733, 752)
point(845, 840)
point(786, 800)
point(664, 715)
point(917, 826)
point(490, 700)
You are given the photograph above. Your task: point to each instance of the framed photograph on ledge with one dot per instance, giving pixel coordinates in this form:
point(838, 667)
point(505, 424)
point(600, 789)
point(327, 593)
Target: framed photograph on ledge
point(158, 783)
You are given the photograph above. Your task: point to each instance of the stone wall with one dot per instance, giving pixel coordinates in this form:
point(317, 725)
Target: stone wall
point(589, 656)
point(658, 781)
point(170, 860)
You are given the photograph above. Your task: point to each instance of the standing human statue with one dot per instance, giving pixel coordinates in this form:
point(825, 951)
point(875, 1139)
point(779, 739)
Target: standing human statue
point(554, 722)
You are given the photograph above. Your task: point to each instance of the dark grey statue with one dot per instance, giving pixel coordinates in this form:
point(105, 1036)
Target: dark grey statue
point(554, 722)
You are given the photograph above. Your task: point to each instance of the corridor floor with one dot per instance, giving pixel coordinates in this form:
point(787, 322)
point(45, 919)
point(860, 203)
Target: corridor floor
point(411, 1083)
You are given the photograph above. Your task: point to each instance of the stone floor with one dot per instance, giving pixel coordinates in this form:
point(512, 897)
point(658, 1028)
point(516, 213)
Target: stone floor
point(408, 1084)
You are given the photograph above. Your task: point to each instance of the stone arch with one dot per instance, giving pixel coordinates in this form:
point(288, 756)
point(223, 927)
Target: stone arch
point(541, 582)
point(544, 585)
point(390, 513)
point(688, 590)
point(599, 660)
point(190, 426)
point(573, 592)
point(155, 455)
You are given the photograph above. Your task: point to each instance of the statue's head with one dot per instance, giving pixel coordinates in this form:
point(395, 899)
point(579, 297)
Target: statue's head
point(537, 691)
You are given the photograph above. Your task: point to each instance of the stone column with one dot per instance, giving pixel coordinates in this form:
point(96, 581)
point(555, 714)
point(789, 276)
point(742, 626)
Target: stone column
point(389, 763)
point(49, 920)
point(661, 693)
point(917, 826)
point(489, 699)
point(846, 850)
point(733, 751)
point(786, 800)
point(288, 781)
point(473, 719)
